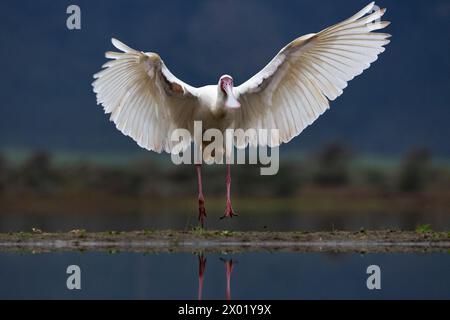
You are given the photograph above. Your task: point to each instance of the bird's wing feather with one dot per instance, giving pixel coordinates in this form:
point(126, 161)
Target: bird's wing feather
point(145, 100)
point(294, 89)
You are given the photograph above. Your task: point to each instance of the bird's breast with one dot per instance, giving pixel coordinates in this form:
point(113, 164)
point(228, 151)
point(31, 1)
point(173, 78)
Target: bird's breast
point(211, 113)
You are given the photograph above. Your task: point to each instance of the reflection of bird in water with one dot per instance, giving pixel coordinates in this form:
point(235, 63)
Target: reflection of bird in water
point(229, 266)
point(148, 103)
point(201, 272)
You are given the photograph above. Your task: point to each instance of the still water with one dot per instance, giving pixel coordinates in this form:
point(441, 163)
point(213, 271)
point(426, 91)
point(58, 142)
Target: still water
point(277, 275)
point(276, 220)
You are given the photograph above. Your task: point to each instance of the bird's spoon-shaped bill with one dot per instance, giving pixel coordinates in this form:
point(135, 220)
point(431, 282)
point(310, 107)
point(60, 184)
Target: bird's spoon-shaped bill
point(231, 101)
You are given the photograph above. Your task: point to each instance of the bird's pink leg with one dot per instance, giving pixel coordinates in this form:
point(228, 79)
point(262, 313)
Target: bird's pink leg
point(229, 212)
point(201, 272)
point(201, 198)
point(229, 269)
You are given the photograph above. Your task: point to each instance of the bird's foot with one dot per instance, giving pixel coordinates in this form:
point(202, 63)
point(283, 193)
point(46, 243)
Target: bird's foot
point(229, 212)
point(201, 211)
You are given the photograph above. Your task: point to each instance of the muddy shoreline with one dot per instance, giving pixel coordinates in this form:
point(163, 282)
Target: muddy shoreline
point(226, 241)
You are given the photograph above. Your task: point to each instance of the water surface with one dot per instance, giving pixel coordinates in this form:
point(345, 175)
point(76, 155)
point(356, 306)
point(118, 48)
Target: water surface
point(252, 275)
point(273, 219)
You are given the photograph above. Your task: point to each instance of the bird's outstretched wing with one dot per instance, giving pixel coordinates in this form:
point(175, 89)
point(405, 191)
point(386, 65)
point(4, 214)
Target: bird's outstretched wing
point(294, 89)
point(145, 100)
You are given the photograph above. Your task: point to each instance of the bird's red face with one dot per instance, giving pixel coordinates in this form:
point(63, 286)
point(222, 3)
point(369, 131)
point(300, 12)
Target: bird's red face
point(225, 82)
point(226, 85)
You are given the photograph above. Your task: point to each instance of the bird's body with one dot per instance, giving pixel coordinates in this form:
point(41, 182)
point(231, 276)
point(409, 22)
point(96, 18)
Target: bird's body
point(212, 112)
point(147, 102)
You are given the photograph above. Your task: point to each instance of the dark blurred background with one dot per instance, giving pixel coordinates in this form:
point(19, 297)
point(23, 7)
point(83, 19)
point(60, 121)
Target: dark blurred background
point(378, 159)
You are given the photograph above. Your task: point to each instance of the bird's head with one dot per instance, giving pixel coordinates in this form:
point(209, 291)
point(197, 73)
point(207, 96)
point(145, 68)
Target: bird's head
point(226, 88)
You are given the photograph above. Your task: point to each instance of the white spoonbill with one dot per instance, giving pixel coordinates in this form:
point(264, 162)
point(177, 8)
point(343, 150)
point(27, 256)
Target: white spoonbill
point(147, 102)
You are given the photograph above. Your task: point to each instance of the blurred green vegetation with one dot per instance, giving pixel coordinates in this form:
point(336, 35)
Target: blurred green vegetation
point(416, 171)
point(333, 167)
